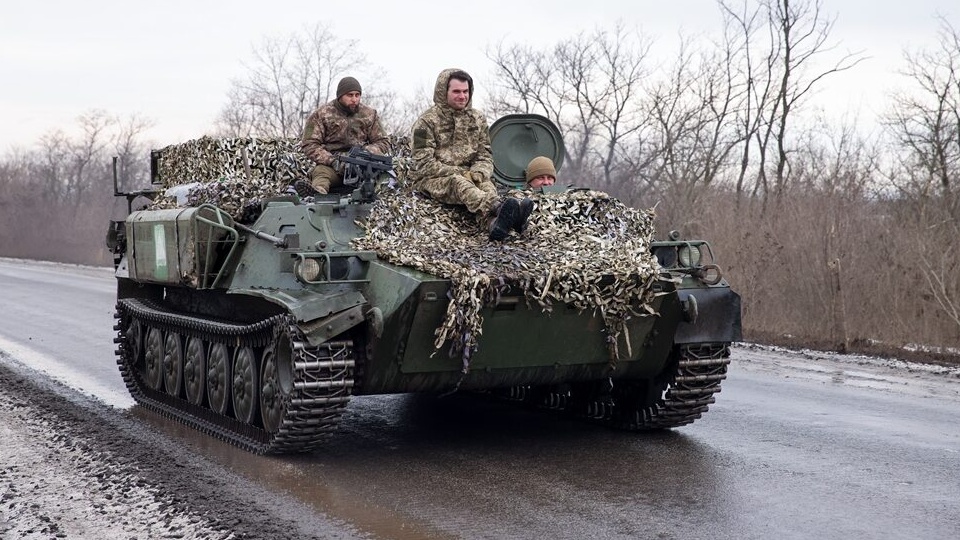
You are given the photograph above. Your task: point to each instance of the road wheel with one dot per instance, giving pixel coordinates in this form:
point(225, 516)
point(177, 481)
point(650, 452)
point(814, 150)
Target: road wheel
point(194, 370)
point(246, 387)
point(172, 364)
point(152, 369)
point(218, 378)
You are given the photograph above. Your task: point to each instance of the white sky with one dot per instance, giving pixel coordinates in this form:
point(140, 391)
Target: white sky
point(172, 60)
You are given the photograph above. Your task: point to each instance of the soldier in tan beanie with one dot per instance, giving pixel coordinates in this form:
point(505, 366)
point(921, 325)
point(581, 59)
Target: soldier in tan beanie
point(540, 172)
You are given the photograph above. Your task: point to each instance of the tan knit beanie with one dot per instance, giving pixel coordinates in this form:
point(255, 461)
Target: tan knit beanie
point(347, 85)
point(540, 166)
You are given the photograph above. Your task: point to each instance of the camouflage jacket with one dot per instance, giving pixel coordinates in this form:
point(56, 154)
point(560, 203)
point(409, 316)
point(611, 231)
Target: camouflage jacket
point(448, 142)
point(330, 131)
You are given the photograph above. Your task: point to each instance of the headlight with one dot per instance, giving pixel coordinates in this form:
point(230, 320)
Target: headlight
point(666, 256)
point(689, 255)
point(308, 270)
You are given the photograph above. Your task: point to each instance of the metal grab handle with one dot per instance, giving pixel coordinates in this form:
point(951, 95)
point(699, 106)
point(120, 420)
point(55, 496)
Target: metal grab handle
point(530, 127)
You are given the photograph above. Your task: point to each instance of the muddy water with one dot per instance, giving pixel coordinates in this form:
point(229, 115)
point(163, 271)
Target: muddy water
point(331, 484)
point(420, 467)
point(798, 445)
point(790, 450)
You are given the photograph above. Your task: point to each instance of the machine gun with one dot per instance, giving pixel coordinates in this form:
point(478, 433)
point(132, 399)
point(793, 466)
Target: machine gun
point(364, 168)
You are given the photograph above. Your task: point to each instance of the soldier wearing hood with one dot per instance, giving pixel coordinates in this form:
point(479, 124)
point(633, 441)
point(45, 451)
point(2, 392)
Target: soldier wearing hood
point(452, 160)
point(333, 129)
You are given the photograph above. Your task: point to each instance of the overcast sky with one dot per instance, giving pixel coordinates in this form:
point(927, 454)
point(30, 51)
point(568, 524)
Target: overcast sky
point(172, 60)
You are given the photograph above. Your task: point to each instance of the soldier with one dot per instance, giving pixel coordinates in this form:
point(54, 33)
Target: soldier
point(540, 172)
point(452, 161)
point(335, 128)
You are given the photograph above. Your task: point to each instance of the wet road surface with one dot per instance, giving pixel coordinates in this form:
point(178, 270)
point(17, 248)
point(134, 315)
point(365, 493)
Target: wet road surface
point(797, 446)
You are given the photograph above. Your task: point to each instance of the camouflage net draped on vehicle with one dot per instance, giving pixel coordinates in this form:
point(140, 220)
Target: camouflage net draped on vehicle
point(208, 159)
point(582, 248)
point(235, 174)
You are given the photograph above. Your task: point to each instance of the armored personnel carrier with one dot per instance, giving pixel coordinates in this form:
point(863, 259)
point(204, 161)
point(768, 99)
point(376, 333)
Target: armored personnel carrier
point(259, 326)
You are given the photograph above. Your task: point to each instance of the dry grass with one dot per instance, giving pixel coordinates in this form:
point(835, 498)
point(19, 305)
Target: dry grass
point(777, 258)
point(783, 261)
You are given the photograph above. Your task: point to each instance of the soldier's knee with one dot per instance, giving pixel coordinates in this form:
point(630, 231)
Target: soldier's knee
point(323, 176)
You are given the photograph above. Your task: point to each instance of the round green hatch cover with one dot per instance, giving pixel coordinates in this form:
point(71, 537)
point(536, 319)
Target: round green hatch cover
point(518, 138)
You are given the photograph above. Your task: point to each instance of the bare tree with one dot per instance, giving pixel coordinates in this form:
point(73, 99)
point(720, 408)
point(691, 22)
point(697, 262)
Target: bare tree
point(778, 69)
point(693, 116)
point(589, 85)
point(925, 122)
point(288, 78)
point(835, 161)
point(621, 70)
point(940, 268)
point(15, 170)
point(752, 69)
point(61, 192)
point(130, 151)
point(88, 163)
point(525, 83)
point(51, 165)
point(398, 113)
point(738, 98)
point(804, 34)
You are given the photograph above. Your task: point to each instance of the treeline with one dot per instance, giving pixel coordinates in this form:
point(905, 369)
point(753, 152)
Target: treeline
point(834, 238)
point(56, 200)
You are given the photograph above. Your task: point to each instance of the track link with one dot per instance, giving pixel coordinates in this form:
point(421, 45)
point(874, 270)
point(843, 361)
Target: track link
point(311, 405)
point(684, 398)
point(700, 369)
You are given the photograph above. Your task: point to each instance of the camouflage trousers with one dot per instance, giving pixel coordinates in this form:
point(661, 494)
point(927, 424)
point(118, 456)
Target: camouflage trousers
point(323, 177)
point(478, 197)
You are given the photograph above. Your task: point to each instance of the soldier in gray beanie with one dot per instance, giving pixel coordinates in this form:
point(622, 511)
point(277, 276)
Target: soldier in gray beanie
point(333, 129)
point(347, 85)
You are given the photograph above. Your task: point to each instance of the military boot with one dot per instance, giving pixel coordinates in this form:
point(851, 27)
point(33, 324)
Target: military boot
point(502, 218)
point(305, 189)
point(523, 214)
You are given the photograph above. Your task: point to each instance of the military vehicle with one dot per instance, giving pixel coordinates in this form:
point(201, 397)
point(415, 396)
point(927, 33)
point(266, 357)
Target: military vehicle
point(261, 333)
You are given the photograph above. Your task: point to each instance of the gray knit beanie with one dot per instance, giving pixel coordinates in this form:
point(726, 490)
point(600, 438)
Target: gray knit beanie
point(347, 85)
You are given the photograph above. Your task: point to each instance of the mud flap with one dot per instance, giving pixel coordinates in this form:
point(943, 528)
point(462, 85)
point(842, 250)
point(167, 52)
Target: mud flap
point(718, 316)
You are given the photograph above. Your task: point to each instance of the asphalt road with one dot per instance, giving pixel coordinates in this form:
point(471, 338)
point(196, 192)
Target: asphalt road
point(798, 445)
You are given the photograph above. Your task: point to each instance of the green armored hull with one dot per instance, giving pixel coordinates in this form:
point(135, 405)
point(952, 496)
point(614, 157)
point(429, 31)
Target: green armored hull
point(260, 330)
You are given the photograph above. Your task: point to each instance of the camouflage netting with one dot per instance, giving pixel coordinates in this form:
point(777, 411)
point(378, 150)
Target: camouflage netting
point(582, 248)
point(235, 174)
point(208, 159)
